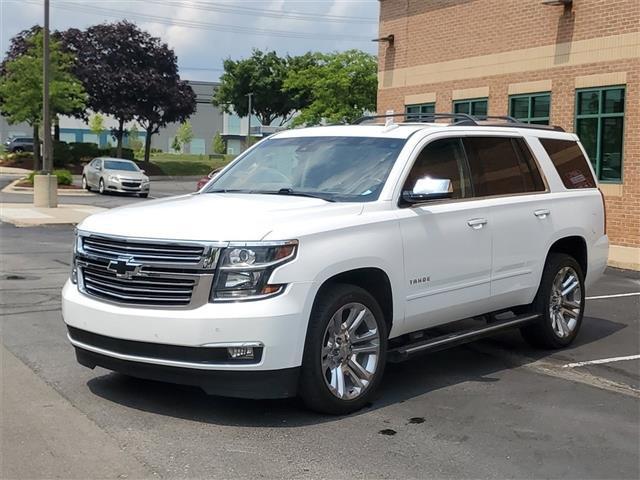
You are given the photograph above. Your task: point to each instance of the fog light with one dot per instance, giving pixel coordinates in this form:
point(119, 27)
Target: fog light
point(241, 353)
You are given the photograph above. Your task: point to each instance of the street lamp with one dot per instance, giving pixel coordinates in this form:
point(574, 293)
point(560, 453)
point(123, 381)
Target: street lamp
point(250, 95)
point(45, 186)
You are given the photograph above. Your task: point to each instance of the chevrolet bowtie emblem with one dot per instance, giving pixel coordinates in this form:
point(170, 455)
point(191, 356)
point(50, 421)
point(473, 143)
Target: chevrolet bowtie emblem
point(124, 267)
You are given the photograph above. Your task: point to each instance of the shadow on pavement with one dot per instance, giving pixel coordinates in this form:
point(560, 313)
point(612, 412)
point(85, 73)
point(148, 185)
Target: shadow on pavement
point(404, 381)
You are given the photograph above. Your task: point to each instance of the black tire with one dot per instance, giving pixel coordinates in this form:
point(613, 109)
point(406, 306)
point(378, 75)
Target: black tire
point(18, 150)
point(143, 195)
point(541, 333)
point(85, 183)
point(101, 188)
point(313, 387)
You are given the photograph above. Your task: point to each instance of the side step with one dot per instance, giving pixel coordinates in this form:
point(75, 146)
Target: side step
point(453, 339)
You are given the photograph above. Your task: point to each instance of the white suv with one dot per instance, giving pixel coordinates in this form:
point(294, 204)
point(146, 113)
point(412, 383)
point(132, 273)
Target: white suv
point(322, 253)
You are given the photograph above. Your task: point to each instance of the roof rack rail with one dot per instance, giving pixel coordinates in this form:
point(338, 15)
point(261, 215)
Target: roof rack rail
point(419, 117)
point(460, 119)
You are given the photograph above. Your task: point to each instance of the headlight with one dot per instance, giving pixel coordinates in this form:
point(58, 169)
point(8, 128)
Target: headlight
point(245, 269)
point(113, 178)
point(145, 179)
point(74, 267)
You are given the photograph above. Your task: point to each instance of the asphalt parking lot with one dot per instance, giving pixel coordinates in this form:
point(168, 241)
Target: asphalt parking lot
point(494, 409)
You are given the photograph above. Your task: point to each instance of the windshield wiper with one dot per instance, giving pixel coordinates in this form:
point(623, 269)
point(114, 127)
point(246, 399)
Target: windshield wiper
point(296, 193)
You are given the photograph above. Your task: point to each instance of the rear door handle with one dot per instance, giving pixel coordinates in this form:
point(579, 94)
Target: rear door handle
point(544, 213)
point(477, 223)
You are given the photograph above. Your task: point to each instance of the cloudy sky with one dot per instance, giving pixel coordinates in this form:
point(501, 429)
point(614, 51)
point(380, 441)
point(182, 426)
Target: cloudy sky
point(205, 32)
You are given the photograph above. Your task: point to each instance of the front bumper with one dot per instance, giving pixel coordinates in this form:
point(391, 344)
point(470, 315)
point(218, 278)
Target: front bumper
point(243, 384)
point(277, 324)
point(112, 186)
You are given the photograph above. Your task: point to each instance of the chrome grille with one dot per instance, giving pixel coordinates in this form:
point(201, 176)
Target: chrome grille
point(140, 289)
point(140, 272)
point(143, 252)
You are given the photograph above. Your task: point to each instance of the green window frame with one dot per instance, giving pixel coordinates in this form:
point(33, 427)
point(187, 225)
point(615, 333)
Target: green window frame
point(599, 123)
point(417, 110)
point(472, 106)
point(537, 105)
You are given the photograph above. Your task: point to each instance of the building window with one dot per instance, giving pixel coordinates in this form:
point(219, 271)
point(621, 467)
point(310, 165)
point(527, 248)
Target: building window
point(473, 106)
point(415, 112)
point(531, 108)
point(600, 126)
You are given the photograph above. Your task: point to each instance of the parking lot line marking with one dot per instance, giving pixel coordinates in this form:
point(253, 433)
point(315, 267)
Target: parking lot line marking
point(602, 360)
point(630, 294)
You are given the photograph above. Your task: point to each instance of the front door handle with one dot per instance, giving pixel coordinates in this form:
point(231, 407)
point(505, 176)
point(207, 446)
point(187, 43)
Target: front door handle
point(477, 223)
point(544, 213)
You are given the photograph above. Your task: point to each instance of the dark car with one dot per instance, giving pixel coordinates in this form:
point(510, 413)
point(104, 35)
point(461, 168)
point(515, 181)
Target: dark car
point(19, 144)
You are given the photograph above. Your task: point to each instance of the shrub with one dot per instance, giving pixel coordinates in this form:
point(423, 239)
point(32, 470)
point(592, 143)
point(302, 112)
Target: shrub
point(112, 151)
point(82, 152)
point(61, 154)
point(64, 177)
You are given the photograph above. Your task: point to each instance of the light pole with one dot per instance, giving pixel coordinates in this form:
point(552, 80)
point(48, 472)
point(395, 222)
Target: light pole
point(250, 95)
point(45, 186)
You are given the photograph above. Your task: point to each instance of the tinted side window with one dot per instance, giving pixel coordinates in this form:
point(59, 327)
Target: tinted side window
point(496, 168)
point(570, 163)
point(530, 173)
point(442, 159)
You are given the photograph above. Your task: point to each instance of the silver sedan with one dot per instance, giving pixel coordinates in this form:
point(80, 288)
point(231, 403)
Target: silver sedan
point(107, 174)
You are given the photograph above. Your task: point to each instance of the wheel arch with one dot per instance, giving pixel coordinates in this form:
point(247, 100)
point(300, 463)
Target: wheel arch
point(575, 246)
point(372, 279)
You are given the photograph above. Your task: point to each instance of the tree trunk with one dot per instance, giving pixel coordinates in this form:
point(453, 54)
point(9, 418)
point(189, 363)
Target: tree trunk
point(56, 128)
point(119, 137)
point(147, 143)
point(37, 165)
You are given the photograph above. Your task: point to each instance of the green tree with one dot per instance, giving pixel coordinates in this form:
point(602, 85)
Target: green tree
point(340, 87)
point(184, 135)
point(21, 87)
point(263, 75)
point(218, 144)
point(96, 124)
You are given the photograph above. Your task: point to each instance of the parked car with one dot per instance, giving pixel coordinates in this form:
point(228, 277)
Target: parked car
point(322, 253)
point(204, 180)
point(19, 144)
point(107, 174)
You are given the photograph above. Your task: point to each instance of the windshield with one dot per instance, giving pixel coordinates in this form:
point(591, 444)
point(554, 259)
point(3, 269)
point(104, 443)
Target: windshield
point(120, 165)
point(347, 169)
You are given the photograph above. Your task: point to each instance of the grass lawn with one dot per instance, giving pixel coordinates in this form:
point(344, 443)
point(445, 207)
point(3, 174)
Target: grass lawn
point(184, 164)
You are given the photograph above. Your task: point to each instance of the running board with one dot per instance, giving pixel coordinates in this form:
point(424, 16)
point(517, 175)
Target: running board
point(441, 342)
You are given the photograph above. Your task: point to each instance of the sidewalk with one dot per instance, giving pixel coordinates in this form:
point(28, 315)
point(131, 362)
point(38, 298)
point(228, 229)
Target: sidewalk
point(14, 171)
point(26, 215)
point(45, 436)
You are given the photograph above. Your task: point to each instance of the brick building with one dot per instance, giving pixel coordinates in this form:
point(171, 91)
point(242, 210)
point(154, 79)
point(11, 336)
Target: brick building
point(575, 64)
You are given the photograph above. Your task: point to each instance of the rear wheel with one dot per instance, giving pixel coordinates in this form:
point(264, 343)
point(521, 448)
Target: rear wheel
point(18, 150)
point(560, 302)
point(345, 351)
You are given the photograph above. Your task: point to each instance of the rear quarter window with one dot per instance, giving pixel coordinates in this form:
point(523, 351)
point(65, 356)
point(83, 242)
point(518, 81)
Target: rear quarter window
point(570, 162)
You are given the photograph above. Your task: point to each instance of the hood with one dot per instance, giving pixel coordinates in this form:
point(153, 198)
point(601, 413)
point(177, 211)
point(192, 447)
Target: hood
point(215, 217)
point(125, 173)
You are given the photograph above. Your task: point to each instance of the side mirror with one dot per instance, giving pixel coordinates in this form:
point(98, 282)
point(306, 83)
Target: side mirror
point(427, 189)
point(142, 171)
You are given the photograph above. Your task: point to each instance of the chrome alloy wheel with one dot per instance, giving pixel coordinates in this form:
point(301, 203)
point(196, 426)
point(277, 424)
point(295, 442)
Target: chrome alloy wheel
point(565, 303)
point(350, 351)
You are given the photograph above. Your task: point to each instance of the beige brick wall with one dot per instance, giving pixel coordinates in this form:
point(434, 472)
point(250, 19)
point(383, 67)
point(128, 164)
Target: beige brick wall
point(436, 31)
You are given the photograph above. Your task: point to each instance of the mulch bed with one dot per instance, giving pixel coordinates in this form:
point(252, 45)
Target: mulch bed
point(28, 184)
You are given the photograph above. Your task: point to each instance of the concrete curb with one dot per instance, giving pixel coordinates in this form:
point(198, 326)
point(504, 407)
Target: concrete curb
point(12, 188)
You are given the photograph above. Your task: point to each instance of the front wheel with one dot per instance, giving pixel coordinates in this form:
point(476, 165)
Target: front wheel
point(345, 350)
point(85, 184)
point(101, 186)
point(143, 195)
point(560, 302)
